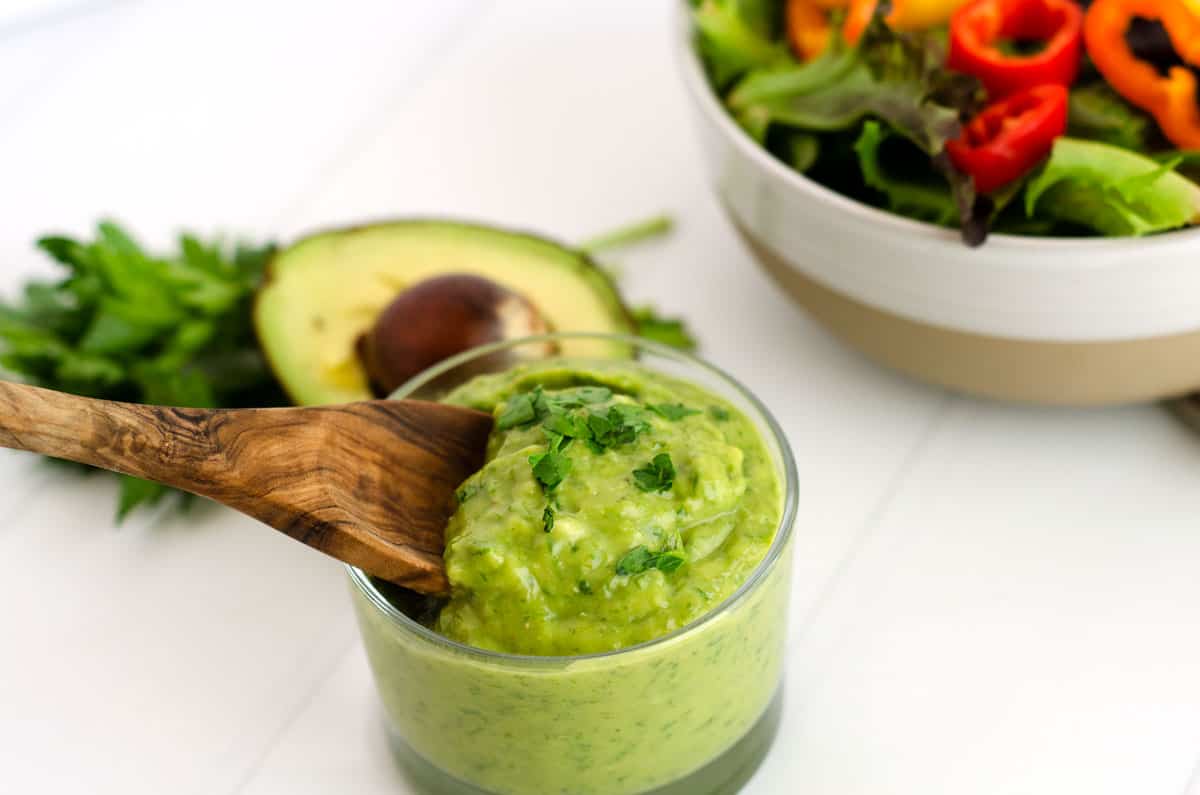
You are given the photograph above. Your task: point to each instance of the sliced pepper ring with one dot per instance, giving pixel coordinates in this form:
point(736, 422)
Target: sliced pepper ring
point(977, 28)
point(1011, 136)
point(1171, 99)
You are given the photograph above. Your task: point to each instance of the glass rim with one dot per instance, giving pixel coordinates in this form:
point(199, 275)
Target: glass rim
point(783, 532)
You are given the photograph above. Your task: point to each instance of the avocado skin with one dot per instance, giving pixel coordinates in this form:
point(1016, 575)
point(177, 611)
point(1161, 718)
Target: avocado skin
point(570, 262)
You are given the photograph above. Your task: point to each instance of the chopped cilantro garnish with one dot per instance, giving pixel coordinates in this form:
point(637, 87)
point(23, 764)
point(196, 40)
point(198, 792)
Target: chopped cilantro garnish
point(569, 399)
point(600, 428)
point(565, 424)
point(548, 519)
point(668, 562)
point(550, 468)
point(672, 411)
point(640, 559)
point(719, 414)
point(658, 475)
point(593, 394)
point(566, 416)
point(556, 441)
point(585, 587)
point(630, 415)
point(635, 561)
point(518, 411)
point(620, 425)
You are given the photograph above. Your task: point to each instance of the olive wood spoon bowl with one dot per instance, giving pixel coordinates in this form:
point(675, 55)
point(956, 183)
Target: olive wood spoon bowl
point(371, 484)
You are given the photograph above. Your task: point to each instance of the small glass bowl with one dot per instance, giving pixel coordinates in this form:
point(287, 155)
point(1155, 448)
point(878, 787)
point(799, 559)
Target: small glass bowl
point(691, 712)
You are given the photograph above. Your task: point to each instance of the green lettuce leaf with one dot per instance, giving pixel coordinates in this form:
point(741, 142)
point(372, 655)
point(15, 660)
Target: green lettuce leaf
point(765, 87)
point(898, 78)
point(1112, 190)
point(734, 37)
point(924, 200)
point(1098, 113)
point(1187, 161)
point(802, 150)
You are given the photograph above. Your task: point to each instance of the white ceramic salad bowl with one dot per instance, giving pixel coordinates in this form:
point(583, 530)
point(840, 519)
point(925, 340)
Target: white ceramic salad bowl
point(1077, 321)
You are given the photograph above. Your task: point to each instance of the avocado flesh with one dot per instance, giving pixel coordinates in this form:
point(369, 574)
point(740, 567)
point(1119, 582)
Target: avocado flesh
point(323, 291)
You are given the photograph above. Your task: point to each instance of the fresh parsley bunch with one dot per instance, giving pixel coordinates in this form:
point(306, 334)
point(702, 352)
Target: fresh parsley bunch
point(125, 325)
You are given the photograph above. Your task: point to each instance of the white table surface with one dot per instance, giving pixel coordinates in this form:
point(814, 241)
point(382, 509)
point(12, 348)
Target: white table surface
point(989, 599)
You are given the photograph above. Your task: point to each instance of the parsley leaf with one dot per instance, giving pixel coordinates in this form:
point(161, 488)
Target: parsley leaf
point(135, 492)
point(585, 587)
point(672, 411)
point(124, 324)
point(550, 468)
point(665, 330)
point(719, 414)
point(640, 559)
point(658, 475)
point(548, 519)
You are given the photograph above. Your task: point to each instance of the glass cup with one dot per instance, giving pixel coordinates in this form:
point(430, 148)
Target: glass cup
point(691, 712)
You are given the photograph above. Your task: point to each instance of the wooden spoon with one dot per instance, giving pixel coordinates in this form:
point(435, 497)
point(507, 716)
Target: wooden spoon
point(370, 483)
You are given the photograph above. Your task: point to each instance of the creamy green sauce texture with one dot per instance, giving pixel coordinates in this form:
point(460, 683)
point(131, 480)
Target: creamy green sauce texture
point(615, 506)
point(634, 550)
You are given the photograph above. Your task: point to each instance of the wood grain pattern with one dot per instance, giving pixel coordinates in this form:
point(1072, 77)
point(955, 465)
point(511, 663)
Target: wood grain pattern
point(370, 483)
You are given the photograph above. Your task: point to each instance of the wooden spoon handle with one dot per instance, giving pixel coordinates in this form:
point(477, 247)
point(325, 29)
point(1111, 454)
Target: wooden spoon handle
point(237, 457)
point(370, 483)
point(172, 446)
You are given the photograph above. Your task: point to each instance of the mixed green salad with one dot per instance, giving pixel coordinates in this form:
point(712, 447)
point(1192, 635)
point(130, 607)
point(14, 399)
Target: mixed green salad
point(1033, 117)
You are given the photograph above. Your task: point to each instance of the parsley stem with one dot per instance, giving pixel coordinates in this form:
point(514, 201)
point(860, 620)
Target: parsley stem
point(629, 235)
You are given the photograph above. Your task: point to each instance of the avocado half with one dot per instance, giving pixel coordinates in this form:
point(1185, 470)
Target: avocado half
point(320, 293)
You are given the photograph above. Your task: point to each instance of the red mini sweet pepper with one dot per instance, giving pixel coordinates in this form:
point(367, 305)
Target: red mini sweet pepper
point(978, 28)
point(1011, 136)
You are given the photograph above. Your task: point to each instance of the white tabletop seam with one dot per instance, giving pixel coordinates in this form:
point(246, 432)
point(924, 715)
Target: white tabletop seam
point(293, 715)
point(1192, 787)
point(864, 533)
point(35, 88)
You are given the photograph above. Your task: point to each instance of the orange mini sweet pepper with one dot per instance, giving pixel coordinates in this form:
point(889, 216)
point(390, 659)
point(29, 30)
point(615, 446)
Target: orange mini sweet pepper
point(809, 26)
point(1172, 98)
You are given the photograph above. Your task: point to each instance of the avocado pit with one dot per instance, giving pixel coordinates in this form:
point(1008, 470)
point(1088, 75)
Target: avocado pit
point(443, 316)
